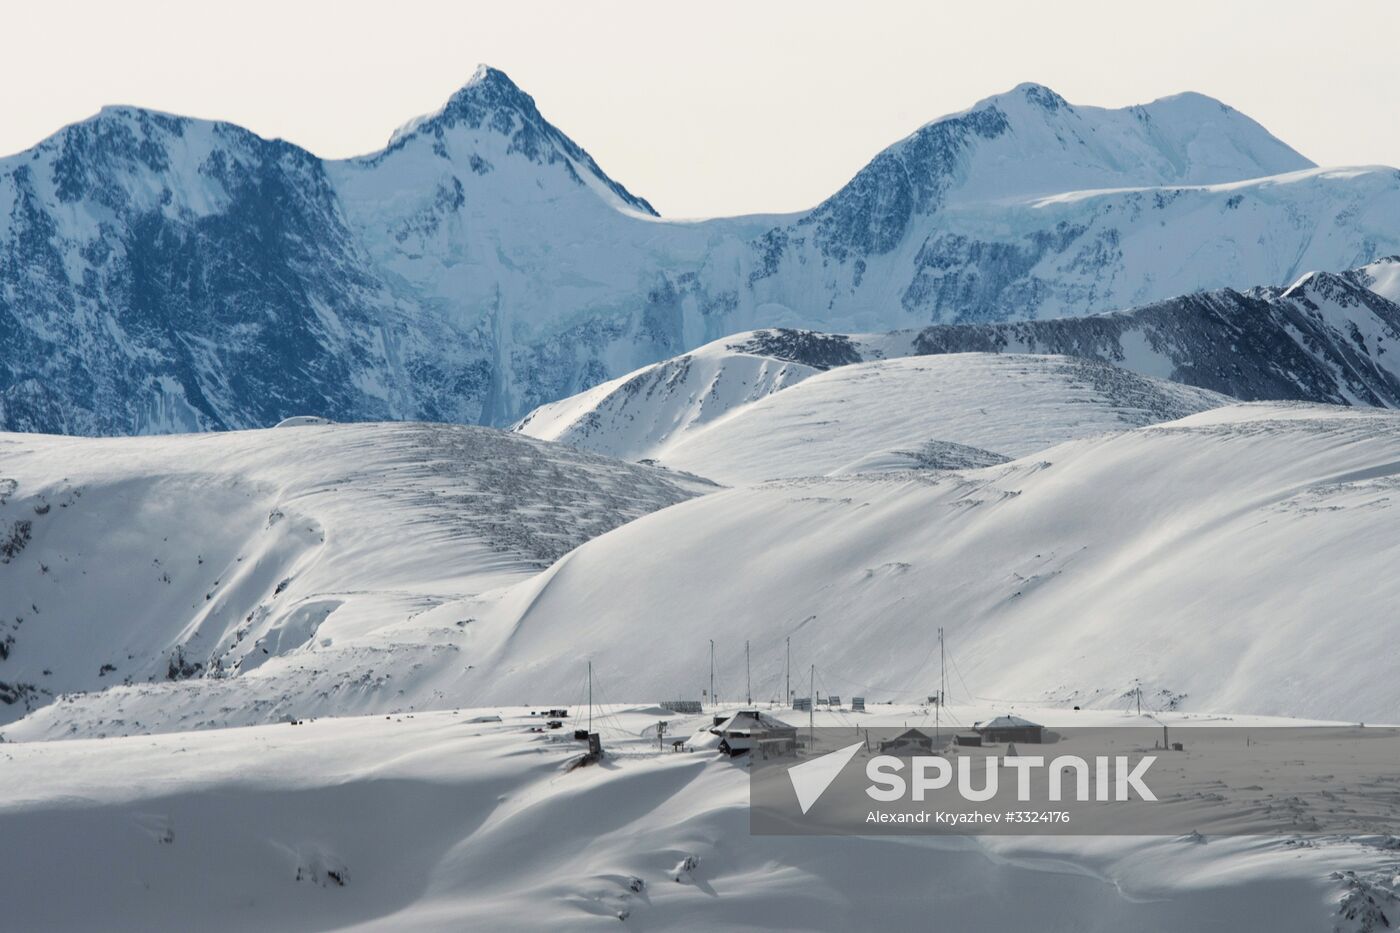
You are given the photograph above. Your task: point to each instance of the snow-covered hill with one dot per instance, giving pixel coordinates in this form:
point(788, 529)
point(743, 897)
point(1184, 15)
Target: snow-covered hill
point(1236, 559)
point(221, 556)
point(728, 422)
point(165, 274)
point(634, 415)
point(439, 822)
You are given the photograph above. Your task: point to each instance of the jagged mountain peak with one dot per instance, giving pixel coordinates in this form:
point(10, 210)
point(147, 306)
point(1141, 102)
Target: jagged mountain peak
point(491, 101)
point(1344, 289)
point(488, 94)
point(1029, 143)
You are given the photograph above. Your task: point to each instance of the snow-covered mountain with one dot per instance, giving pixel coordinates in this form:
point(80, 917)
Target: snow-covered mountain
point(1326, 338)
point(161, 273)
point(230, 556)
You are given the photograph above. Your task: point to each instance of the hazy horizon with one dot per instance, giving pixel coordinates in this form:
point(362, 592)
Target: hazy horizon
point(728, 110)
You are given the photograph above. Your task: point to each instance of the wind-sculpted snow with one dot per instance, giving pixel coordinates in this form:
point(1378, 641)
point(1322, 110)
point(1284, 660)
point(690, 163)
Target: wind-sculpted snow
point(167, 274)
point(137, 561)
point(1237, 559)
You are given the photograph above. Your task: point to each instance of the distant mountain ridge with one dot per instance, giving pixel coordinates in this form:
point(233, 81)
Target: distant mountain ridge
point(1328, 338)
point(159, 273)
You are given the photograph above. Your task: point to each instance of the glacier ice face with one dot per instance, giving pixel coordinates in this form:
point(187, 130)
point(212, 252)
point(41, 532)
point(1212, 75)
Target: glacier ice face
point(167, 274)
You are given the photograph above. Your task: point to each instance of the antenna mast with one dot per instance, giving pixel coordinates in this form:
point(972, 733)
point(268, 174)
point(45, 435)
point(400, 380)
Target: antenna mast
point(748, 679)
point(787, 672)
point(713, 701)
point(942, 668)
point(942, 690)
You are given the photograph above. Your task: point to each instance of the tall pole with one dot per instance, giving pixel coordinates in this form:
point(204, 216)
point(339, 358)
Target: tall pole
point(787, 673)
point(712, 673)
point(942, 689)
point(942, 668)
point(1139, 699)
point(748, 679)
point(590, 696)
point(811, 710)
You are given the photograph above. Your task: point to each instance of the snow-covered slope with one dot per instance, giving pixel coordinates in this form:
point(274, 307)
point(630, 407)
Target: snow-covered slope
point(882, 414)
point(435, 822)
point(1237, 559)
point(633, 416)
point(1381, 277)
point(165, 274)
point(224, 556)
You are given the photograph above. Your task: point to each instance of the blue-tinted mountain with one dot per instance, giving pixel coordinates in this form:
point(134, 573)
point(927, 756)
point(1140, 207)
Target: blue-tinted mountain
point(159, 273)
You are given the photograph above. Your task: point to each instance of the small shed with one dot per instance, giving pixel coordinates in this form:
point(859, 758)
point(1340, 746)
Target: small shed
point(1010, 729)
point(746, 729)
point(909, 742)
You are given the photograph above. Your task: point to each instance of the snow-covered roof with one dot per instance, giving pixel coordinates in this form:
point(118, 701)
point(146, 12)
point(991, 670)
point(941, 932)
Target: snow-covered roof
point(913, 734)
point(750, 721)
point(1008, 722)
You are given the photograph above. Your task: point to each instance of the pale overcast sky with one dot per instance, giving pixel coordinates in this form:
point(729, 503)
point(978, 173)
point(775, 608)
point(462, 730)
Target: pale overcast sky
point(703, 108)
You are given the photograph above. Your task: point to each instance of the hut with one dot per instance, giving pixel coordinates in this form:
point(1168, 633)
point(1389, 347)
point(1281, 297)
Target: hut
point(1010, 729)
point(909, 742)
point(746, 729)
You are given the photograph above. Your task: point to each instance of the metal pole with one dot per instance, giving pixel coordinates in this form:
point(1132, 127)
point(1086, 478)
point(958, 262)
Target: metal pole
point(942, 669)
point(713, 702)
point(590, 696)
point(787, 672)
point(812, 710)
point(748, 679)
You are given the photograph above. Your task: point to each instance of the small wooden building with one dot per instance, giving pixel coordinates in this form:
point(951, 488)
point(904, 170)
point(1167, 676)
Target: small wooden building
point(745, 730)
point(1010, 729)
point(909, 742)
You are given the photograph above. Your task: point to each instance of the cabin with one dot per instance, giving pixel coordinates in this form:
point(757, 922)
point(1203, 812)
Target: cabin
point(909, 742)
point(1010, 729)
point(748, 729)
